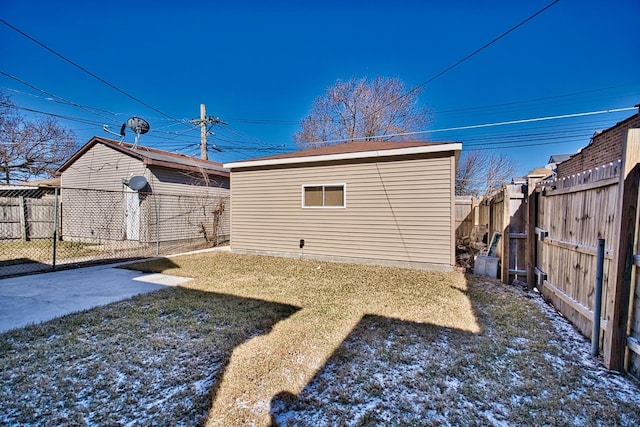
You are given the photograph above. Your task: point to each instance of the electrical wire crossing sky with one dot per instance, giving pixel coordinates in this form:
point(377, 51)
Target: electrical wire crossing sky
point(528, 79)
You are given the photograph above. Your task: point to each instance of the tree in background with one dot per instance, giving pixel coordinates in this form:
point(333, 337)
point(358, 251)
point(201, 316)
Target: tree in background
point(480, 173)
point(362, 109)
point(31, 148)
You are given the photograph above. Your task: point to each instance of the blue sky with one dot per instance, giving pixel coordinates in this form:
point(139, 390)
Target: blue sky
point(258, 65)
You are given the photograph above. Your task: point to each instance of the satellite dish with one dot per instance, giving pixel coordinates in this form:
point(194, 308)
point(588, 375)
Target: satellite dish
point(137, 182)
point(138, 125)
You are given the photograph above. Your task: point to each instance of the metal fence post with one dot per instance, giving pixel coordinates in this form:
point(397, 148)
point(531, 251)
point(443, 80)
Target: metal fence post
point(157, 197)
point(55, 227)
point(597, 303)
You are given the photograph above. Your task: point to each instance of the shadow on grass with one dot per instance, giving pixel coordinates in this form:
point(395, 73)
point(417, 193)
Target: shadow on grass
point(374, 367)
point(516, 370)
point(150, 359)
point(387, 370)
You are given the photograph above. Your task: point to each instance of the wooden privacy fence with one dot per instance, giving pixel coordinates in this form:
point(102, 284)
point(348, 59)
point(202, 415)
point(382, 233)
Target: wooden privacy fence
point(568, 217)
point(26, 217)
point(571, 215)
point(463, 214)
point(470, 226)
point(550, 233)
point(504, 214)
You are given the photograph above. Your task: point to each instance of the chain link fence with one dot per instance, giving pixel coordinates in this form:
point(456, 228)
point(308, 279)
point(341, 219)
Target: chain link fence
point(44, 229)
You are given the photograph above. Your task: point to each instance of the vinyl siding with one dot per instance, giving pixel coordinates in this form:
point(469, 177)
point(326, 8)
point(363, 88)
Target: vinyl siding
point(90, 215)
point(169, 181)
point(397, 210)
point(98, 213)
point(189, 196)
point(181, 216)
point(101, 168)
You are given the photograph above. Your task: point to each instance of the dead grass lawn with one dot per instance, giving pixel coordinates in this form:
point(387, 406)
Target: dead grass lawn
point(255, 340)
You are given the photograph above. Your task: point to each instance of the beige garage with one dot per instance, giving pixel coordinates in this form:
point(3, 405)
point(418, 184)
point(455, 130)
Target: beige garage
point(375, 202)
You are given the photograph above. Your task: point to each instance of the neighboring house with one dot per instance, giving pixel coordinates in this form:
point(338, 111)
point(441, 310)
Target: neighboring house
point(374, 202)
point(605, 147)
point(111, 191)
point(555, 160)
point(538, 174)
point(35, 189)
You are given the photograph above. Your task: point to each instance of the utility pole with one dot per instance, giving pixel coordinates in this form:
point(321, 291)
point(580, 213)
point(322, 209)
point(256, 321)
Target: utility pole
point(203, 121)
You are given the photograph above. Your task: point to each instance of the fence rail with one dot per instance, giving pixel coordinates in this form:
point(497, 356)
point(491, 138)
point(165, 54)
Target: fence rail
point(572, 218)
point(43, 230)
point(550, 233)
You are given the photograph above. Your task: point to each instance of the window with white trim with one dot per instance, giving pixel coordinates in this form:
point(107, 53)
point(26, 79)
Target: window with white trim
point(323, 196)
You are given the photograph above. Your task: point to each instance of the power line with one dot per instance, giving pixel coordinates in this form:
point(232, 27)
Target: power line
point(489, 141)
point(487, 125)
point(277, 122)
point(506, 104)
point(519, 145)
point(56, 97)
point(462, 60)
point(86, 71)
point(521, 121)
point(484, 108)
point(99, 124)
point(60, 116)
point(483, 47)
point(90, 109)
point(174, 136)
point(246, 137)
point(549, 125)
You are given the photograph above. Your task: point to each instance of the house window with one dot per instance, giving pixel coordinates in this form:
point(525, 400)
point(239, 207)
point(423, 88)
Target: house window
point(323, 196)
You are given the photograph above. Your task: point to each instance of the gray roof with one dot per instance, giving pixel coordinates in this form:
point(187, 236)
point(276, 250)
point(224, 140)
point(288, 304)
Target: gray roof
point(559, 158)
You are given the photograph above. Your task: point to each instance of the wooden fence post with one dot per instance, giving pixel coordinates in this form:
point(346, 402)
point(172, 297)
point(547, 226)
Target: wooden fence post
point(506, 227)
point(476, 216)
point(24, 220)
point(623, 250)
point(531, 231)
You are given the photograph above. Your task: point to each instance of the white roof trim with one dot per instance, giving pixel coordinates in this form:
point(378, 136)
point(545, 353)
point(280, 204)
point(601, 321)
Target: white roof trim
point(433, 148)
point(18, 187)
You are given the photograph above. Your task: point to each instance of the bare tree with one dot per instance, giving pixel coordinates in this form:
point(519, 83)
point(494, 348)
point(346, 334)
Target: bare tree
point(362, 109)
point(31, 148)
point(480, 173)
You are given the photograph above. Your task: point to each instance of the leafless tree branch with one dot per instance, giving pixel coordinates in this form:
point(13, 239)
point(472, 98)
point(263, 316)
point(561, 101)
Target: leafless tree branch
point(482, 172)
point(362, 109)
point(31, 148)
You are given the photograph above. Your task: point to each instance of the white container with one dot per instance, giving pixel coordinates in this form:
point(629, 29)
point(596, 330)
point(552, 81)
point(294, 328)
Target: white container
point(486, 266)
